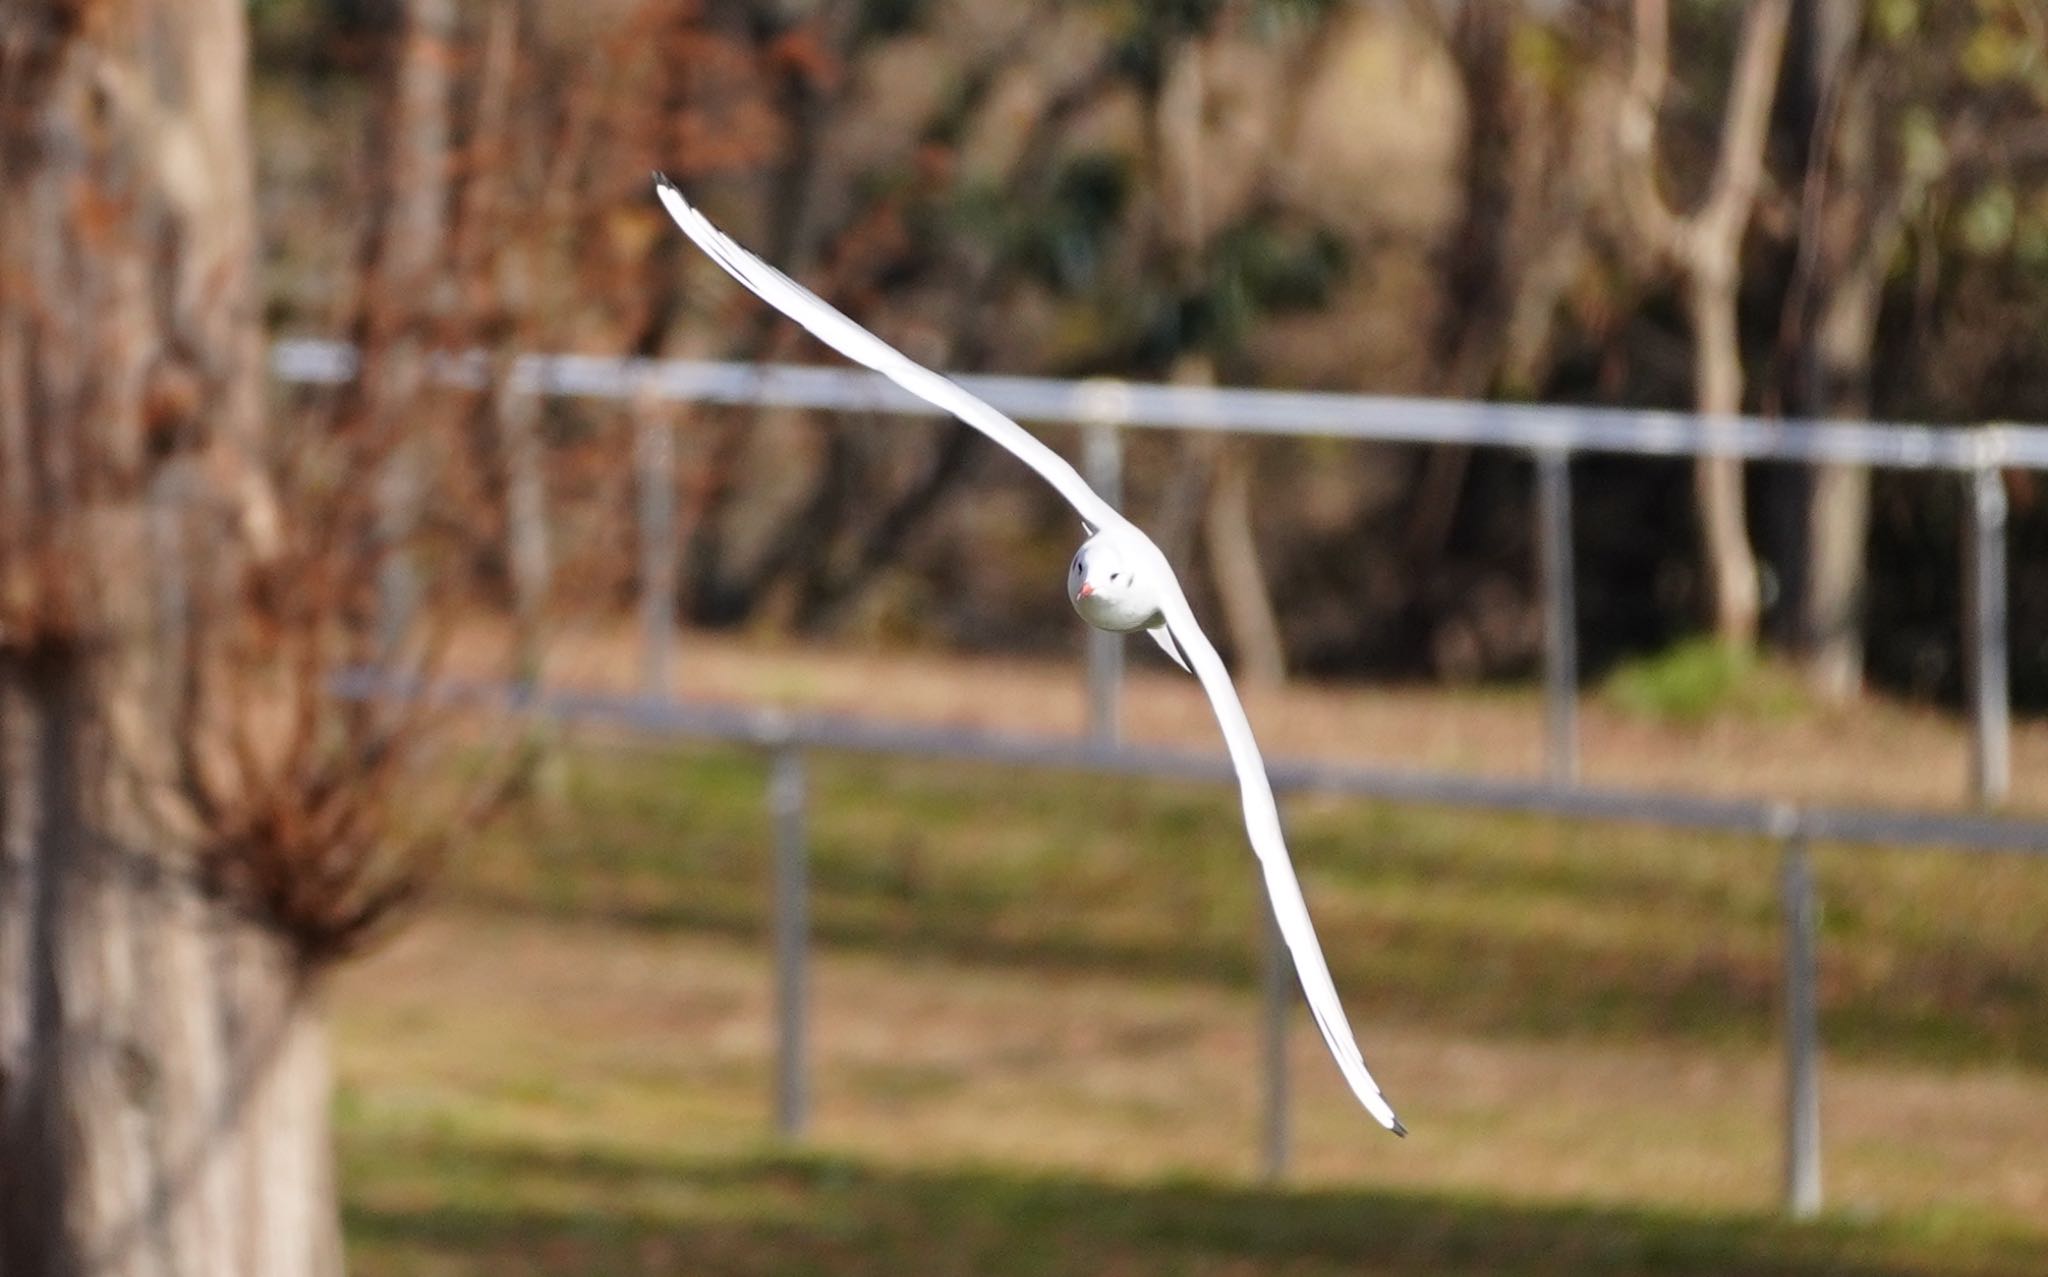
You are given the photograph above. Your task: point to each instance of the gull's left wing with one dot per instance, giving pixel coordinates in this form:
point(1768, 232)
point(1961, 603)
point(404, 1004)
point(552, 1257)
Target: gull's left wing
point(1283, 889)
point(832, 327)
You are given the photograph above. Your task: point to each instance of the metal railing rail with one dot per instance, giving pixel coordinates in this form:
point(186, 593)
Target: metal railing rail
point(1102, 401)
point(1552, 434)
point(771, 729)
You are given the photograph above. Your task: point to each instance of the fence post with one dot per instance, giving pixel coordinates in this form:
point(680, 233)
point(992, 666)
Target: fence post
point(1277, 986)
point(1102, 461)
point(792, 937)
point(516, 415)
point(517, 412)
point(1560, 620)
point(655, 508)
point(398, 588)
point(1984, 630)
point(1802, 1032)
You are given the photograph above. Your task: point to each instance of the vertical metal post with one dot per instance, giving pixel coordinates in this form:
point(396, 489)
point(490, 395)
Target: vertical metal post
point(1560, 622)
point(1278, 989)
point(398, 589)
point(655, 508)
point(1984, 631)
point(526, 518)
point(792, 936)
point(1802, 1033)
point(1102, 461)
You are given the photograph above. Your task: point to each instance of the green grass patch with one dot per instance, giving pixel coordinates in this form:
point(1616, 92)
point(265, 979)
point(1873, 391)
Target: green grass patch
point(455, 1205)
point(1702, 678)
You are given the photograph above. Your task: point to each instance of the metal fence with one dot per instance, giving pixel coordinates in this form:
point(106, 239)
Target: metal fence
point(1552, 435)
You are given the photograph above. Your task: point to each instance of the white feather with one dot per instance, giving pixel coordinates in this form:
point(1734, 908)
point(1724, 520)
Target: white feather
point(863, 347)
point(1261, 815)
point(1164, 638)
point(1283, 889)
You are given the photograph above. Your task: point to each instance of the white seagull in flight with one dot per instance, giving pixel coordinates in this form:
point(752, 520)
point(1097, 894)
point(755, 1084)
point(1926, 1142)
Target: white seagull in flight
point(1120, 581)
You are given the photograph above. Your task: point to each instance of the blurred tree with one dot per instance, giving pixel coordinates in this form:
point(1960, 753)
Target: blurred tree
point(1172, 52)
point(1705, 248)
point(1218, 251)
point(1850, 228)
point(192, 828)
point(1521, 234)
point(987, 185)
point(1898, 112)
point(1963, 95)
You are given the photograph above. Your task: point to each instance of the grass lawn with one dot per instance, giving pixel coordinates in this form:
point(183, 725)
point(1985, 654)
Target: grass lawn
point(1035, 1048)
point(1500, 925)
point(540, 1211)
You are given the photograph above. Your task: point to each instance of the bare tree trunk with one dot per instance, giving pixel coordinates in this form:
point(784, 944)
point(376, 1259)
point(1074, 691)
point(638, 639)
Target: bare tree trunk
point(1512, 256)
point(163, 1081)
point(1706, 248)
point(1241, 587)
point(1718, 481)
point(1215, 466)
point(165, 1097)
point(405, 252)
point(1837, 530)
point(498, 291)
point(1838, 509)
point(1477, 271)
point(1851, 237)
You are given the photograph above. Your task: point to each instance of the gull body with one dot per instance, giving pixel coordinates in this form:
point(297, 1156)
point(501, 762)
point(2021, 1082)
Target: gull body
point(1119, 581)
point(1108, 587)
point(1115, 584)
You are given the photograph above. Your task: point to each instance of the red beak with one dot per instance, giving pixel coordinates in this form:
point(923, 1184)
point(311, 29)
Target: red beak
point(1085, 590)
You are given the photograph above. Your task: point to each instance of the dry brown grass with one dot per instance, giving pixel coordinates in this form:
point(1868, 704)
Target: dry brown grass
point(1874, 751)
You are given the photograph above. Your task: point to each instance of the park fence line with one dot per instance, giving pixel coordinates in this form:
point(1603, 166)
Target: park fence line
point(786, 738)
point(1551, 435)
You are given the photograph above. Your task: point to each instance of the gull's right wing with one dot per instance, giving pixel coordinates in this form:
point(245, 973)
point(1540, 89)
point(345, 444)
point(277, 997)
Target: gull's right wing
point(1283, 889)
point(832, 327)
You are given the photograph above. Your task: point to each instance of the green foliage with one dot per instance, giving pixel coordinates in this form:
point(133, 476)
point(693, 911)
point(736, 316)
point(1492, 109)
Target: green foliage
point(1265, 266)
point(879, 18)
point(1895, 20)
point(2030, 235)
point(1987, 221)
point(280, 21)
point(1700, 678)
point(1062, 243)
point(1067, 244)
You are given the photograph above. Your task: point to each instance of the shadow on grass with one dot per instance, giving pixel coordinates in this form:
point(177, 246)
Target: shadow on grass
point(509, 1210)
point(1969, 1004)
point(1152, 880)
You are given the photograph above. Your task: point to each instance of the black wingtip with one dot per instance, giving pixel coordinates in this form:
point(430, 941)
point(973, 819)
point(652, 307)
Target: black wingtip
point(661, 179)
point(1399, 1129)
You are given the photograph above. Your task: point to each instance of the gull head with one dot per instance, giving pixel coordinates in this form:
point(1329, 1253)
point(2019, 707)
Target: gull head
point(1109, 588)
